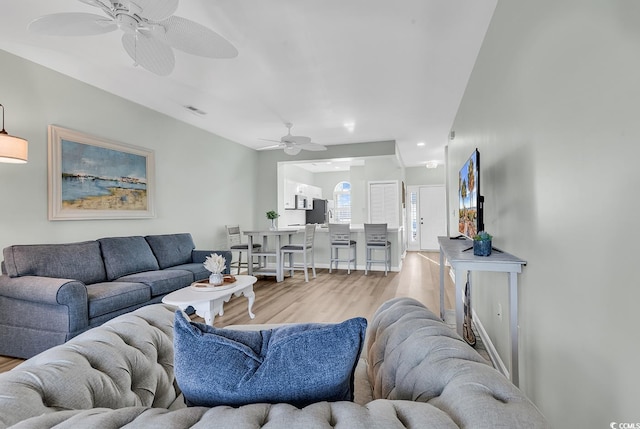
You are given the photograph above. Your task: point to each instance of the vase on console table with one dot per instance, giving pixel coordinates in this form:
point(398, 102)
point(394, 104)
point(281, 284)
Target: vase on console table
point(216, 279)
point(273, 225)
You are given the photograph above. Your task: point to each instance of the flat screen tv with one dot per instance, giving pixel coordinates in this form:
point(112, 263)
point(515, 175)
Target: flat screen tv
point(470, 220)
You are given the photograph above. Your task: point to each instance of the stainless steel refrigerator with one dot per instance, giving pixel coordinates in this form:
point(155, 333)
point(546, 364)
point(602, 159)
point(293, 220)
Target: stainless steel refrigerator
point(318, 212)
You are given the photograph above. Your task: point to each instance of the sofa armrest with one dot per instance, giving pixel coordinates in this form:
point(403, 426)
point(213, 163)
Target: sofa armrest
point(199, 256)
point(46, 290)
point(126, 362)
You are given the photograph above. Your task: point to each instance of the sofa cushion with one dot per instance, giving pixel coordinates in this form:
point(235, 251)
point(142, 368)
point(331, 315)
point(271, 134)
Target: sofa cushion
point(108, 297)
point(198, 270)
point(171, 249)
point(78, 261)
point(126, 255)
point(161, 282)
point(298, 364)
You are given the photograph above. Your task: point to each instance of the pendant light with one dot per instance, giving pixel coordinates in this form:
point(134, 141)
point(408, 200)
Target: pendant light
point(12, 149)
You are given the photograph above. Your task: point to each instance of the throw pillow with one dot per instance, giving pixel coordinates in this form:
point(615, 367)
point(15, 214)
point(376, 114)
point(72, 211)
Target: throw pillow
point(297, 364)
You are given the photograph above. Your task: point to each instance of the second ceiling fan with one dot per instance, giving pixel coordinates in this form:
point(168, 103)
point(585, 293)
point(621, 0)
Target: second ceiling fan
point(292, 145)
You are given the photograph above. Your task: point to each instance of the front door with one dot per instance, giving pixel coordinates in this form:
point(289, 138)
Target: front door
point(432, 214)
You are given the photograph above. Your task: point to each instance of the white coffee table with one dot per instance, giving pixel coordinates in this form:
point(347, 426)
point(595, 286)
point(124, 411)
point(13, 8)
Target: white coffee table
point(209, 303)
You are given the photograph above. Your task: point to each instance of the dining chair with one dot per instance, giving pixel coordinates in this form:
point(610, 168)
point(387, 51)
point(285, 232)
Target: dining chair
point(340, 238)
point(234, 240)
point(305, 249)
point(376, 239)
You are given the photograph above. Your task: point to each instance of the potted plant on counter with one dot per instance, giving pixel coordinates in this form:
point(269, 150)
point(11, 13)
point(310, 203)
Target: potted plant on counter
point(272, 215)
point(482, 244)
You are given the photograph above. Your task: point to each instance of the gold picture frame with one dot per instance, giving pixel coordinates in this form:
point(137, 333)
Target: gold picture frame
point(96, 178)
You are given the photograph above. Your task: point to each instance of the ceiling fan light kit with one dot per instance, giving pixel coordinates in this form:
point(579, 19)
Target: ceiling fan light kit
point(151, 31)
point(292, 150)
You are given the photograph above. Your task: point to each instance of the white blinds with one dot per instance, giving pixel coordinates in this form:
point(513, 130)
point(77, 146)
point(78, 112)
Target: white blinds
point(384, 204)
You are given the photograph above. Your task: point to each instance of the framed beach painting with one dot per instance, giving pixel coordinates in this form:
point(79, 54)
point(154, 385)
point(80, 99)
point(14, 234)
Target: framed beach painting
point(95, 178)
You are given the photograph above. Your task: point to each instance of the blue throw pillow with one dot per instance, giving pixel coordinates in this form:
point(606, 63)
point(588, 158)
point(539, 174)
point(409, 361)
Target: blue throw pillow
point(297, 364)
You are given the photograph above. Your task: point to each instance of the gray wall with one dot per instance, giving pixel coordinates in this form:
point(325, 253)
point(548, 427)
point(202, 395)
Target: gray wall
point(552, 105)
point(198, 175)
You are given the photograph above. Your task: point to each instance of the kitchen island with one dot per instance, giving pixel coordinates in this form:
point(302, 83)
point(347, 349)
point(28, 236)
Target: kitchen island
point(322, 250)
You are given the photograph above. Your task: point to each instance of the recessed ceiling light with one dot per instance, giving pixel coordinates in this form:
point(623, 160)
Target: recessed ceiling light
point(420, 144)
point(350, 126)
point(431, 164)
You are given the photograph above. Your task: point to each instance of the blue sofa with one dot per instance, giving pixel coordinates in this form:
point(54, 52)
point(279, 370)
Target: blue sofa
point(50, 293)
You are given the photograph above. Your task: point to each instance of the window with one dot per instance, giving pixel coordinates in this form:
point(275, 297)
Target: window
point(413, 213)
point(342, 202)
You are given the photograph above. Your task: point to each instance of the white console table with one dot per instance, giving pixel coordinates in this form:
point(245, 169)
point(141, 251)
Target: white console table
point(453, 250)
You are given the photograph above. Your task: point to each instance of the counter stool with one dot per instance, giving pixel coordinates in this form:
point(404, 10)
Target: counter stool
point(235, 244)
point(340, 238)
point(305, 249)
point(376, 238)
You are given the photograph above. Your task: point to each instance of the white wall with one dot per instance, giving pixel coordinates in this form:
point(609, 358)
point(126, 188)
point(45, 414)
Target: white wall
point(425, 176)
point(270, 174)
point(552, 105)
point(198, 175)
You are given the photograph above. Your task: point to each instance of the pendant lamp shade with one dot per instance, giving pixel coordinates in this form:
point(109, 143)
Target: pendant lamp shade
point(12, 149)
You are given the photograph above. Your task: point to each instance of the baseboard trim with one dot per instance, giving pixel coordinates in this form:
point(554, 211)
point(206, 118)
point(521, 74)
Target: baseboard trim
point(496, 361)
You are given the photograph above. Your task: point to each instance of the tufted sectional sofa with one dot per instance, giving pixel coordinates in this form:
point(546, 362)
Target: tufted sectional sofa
point(414, 373)
point(50, 293)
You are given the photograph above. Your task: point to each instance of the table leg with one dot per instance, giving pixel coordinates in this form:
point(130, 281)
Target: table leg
point(460, 282)
point(279, 271)
point(251, 297)
point(249, 255)
point(441, 284)
point(513, 326)
point(209, 310)
point(264, 258)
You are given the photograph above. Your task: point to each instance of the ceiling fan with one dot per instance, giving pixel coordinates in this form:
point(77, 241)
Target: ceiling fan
point(150, 31)
point(292, 145)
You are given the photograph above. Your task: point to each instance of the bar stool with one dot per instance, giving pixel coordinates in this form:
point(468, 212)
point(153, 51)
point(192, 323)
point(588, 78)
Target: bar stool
point(235, 243)
point(340, 238)
point(305, 249)
point(376, 239)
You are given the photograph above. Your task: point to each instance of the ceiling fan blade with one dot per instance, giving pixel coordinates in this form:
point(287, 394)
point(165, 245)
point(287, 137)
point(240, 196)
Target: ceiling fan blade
point(314, 147)
point(273, 146)
point(299, 139)
point(72, 24)
point(98, 3)
point(270, 140)
point(196, 39)
point(154, 10)
point(150, 53)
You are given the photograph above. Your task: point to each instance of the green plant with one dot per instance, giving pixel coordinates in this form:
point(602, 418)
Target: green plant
point(272, 214)
point(483, 236)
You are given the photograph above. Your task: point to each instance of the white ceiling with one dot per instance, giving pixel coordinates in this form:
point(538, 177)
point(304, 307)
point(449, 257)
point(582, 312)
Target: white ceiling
point(395, 68)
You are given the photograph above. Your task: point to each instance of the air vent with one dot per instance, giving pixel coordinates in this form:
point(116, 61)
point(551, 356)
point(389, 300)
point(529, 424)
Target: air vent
point(195, 110)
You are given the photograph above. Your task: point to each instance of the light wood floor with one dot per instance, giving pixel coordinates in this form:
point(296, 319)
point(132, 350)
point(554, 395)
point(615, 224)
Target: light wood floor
point(332, 297)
